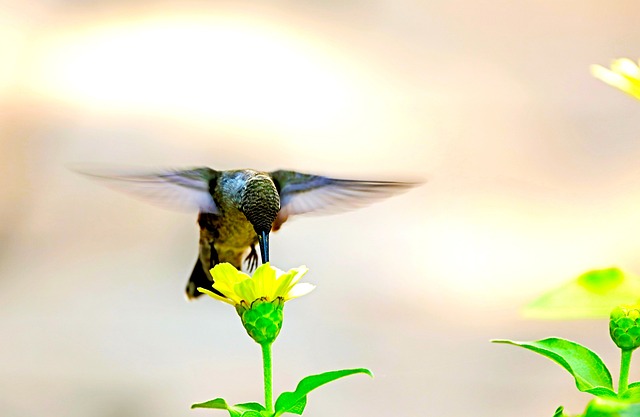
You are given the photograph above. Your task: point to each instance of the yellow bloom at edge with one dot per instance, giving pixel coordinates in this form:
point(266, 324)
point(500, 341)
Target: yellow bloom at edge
point(624, 75)
point(267, 282)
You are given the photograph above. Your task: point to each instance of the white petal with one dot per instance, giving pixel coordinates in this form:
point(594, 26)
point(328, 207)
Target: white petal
point(278, 271)
point(626, 67)
point(299, 290)
point(300, 271)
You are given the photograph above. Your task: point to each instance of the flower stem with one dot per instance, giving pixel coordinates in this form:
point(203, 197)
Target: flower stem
point(268, 376)
point(625, 361)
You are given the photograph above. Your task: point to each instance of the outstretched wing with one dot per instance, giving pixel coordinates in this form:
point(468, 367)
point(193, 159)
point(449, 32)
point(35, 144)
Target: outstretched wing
point(174, 189)
point(304, 193)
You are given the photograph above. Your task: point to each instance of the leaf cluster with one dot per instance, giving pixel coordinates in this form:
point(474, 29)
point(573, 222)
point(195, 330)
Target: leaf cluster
point(293, 402)
point(591, 375)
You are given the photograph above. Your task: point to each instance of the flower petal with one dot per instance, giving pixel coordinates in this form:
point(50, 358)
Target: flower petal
point(264, 279)
point(227, 273)
point(283, 284)
point(226, 277)
point(294, 275)
point(246, 290)
point(626, 67)
point(216, 296)
point(289, 280)
point(267, 282)
point(300, 272)
point(608, 76)
point(278, 271)
point(299, 290)
point(625, 76)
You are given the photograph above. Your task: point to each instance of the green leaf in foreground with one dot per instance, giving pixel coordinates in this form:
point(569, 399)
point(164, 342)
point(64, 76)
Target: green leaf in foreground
point(295, 402)
point(634, 385)
point(590, 373)
point(238, 410)
point(600, 407)
point(559, 412)
point(632, 394)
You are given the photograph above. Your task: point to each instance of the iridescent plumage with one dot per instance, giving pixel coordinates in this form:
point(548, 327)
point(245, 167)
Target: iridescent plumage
point(239, 208)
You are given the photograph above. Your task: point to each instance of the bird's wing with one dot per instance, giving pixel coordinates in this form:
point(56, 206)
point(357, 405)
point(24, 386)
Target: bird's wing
point(174, 189)
point(304, 193)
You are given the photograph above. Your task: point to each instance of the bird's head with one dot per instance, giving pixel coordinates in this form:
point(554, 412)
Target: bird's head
point(260, 204)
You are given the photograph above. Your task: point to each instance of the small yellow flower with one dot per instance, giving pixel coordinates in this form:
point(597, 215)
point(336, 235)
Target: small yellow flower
point(259, 300)
point(267, 283)
point(624, 74)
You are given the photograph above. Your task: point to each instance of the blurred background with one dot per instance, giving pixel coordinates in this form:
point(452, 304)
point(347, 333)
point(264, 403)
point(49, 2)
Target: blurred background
point(531, 169)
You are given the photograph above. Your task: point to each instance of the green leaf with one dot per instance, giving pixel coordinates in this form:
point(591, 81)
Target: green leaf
point(601, 281)
point(238, 410)
point(611, 408)
point(296, 408)
point(590, 373)
point(632, 394)
point(295, 402)
point(559, 412)
point(250, 406)
point(219, 404)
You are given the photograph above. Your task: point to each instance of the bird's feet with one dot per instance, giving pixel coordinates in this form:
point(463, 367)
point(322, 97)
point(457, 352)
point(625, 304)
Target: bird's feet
point(251, 260)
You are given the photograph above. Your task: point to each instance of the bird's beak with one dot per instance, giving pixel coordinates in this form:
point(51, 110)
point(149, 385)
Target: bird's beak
point(263, 240)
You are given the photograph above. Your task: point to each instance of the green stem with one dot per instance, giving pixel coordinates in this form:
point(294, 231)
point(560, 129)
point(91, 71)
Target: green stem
point(625, 361)
point(268, 376)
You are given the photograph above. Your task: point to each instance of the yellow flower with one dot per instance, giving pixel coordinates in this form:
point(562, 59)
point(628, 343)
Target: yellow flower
point(624, 74)
point(259, 300)
point(267, 283)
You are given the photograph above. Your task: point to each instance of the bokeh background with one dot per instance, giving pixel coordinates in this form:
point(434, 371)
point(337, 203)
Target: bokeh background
point(531, 169)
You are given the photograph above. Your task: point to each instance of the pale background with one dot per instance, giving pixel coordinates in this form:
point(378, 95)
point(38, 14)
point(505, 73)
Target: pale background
point(532, 170)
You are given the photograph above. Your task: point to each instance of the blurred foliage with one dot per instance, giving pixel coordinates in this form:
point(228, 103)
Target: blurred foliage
point(591, 295)
point(600, 407)
point(624, 75)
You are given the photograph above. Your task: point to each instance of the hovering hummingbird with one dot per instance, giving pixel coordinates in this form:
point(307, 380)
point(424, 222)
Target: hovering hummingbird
point(239, 208)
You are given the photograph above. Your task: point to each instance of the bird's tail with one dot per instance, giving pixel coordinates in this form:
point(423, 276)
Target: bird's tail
point(199, 278)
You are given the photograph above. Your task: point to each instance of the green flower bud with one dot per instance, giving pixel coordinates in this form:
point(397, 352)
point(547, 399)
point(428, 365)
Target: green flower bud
point(262, 319)
point(624, 326)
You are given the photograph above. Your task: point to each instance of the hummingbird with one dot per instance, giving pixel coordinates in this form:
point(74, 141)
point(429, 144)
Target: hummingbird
point(238, 209)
